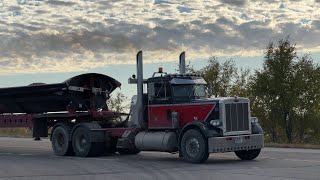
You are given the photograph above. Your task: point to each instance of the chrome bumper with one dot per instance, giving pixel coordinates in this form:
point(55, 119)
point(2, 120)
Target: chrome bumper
point(235, 143)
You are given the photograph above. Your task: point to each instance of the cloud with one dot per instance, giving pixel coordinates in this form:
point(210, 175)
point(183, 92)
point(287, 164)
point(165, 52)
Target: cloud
point(234, 2)
point(60, 3)
point(60, 36)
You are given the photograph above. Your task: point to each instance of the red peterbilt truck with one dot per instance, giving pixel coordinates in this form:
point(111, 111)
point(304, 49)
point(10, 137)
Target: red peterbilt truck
point(173, 115)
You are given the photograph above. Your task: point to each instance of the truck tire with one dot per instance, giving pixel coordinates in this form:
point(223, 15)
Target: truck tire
point(82, 141)
point(194, 147)
point(60, 141)
point(248, 154)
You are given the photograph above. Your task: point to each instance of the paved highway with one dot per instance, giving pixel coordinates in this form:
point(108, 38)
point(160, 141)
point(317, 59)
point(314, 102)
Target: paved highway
point(26, 159)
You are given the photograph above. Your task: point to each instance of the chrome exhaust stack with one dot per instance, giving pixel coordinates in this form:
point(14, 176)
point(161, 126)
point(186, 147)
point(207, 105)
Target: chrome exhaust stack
point(136, 107)
point(182, 63)
point(140, 89)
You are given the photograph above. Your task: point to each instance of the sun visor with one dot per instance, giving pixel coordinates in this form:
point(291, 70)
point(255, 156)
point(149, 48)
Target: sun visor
point(188, 81)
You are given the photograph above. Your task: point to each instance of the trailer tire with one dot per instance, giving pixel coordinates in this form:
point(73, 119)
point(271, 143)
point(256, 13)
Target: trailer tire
point(60, 141)
point(248, 154)
point(194, 147)
point(82, 141)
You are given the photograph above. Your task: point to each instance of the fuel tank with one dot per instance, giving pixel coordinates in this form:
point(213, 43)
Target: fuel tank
point(156, 141)
point(79, 93)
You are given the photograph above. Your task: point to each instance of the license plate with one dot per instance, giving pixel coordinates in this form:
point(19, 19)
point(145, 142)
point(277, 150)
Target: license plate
point(238, 140)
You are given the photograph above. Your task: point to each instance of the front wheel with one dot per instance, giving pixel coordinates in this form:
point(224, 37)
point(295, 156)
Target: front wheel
point(248, 154)
point(194, 147)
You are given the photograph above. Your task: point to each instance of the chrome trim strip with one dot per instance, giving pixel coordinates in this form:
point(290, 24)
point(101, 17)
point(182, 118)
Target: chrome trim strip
point(183, 104)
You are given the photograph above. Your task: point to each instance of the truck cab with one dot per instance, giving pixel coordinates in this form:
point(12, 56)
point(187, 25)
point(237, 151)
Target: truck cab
point(176, 99)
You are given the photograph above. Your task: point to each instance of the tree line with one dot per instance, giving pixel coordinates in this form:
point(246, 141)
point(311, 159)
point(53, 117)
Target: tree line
point(284, 93)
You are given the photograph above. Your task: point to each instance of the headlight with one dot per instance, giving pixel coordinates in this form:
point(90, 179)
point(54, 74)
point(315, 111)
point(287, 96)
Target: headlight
point(254, 120)
point(215, 123)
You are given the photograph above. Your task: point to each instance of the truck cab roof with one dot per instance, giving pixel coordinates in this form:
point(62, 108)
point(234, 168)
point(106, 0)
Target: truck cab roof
point(178, 79)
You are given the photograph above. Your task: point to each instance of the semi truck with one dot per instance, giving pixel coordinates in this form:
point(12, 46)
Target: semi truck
point(170, 113)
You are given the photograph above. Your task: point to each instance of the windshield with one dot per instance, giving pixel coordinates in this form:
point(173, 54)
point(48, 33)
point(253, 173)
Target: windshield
point(189, 92)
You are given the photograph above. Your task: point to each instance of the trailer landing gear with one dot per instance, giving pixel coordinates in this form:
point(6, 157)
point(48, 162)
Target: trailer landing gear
point(37, 139)
point(128, 151)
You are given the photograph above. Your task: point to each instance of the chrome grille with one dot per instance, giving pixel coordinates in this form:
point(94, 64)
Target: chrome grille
point(237, 117)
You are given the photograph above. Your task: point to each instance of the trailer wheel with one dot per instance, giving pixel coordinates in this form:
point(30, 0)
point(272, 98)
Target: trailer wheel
point(82, 142)
point(194, 147)
point(248, 154)
point(60, 142)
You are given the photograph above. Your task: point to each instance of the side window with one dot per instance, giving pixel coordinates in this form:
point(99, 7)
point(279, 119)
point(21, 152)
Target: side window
point(161, 93)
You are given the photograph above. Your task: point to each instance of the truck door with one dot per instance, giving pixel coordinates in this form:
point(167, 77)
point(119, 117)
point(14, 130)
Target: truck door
point(160, 105)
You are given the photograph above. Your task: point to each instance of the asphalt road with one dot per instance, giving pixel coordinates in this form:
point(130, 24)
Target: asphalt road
point(27, 159)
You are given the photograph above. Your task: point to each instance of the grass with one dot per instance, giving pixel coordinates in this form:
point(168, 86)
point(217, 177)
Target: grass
point(15, 132)
point(303, 146)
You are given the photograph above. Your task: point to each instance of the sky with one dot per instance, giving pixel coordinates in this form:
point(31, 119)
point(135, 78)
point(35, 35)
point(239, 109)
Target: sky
point(53, 40)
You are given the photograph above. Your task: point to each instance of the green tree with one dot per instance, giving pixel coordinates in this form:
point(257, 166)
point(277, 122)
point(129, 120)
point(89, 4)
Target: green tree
point(219, 76)
point(286, 91)
point(119, 103)
point(189, 68)
point(275, 82)
point(307, 90)
point(241, 85)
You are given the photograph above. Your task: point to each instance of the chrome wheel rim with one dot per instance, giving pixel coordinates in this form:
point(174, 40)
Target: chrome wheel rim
point(60, 141)
point(192, 147)
point(82, 143)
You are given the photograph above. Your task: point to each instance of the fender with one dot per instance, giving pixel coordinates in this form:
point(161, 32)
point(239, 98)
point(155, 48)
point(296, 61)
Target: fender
point(256, 128)
point(205, 131)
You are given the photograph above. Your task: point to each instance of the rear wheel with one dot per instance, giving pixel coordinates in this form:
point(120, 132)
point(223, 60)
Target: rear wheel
point(194, 147)
point(60, 142)
point(83, 144)
point(248, 154)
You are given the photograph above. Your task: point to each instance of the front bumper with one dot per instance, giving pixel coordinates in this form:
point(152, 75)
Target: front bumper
point(235, 143)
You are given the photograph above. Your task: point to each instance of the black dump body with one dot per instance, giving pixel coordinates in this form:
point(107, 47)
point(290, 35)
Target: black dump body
point(80, 93)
